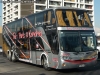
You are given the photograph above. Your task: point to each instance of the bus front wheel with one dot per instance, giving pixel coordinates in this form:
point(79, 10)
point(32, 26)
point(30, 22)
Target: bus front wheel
point(45, 64)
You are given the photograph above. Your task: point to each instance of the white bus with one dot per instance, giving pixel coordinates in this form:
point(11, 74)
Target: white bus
point(58, 38)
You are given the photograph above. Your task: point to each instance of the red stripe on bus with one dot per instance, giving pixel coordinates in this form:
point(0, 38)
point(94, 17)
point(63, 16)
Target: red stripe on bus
point(80, 61)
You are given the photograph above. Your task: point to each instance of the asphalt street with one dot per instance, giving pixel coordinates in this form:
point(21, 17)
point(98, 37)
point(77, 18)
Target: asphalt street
point(22, 68)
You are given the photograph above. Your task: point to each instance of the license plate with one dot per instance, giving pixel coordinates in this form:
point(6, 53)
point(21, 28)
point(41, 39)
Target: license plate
point(82, 65)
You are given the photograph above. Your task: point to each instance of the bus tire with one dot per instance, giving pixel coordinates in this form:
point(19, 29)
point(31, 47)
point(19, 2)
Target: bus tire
point(14, 58)
point(45, 64)
point(9, 56)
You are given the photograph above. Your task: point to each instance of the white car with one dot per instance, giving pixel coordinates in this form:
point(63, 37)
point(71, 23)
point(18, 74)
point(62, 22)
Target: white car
point(0, 49)
point(98, 47)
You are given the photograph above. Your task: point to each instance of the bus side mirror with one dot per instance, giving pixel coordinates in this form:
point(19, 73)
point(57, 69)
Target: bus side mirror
point(54, 41)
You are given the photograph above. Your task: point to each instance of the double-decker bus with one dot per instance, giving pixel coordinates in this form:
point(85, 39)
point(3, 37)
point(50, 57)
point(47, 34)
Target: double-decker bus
point(58, 38)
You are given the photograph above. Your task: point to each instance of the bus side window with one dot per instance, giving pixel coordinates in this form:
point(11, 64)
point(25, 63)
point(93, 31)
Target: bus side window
point(49, 17)
point(53, 42)
point(40, 42)
point(26, 25)
point(33, 43)
point(39, 19)
point(32, 20)
point(45, 18)
point(53, 18)
point(18, 25)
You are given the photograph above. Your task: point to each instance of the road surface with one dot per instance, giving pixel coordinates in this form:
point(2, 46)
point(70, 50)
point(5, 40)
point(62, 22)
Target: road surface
point(21, 68)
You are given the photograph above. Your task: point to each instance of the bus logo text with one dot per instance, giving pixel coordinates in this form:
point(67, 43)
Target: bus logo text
point(26, 35)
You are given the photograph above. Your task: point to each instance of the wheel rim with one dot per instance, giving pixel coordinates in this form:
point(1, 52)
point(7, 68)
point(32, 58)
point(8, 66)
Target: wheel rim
point(9, 54)
point(13, 56)
point(45, 63)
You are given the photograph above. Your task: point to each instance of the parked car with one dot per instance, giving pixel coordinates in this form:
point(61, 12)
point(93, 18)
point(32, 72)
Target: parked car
point(98, 47)
point(0, 49)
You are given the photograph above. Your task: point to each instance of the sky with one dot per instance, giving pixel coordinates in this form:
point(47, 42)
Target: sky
point(0, 14)
point(96, 13)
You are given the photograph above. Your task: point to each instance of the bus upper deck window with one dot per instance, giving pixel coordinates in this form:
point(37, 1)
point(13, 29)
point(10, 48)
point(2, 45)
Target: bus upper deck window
point(53, 20)
point(49, 17)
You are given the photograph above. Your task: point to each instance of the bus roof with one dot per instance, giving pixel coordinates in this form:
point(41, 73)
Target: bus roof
point(54, 8)
point(72, 8)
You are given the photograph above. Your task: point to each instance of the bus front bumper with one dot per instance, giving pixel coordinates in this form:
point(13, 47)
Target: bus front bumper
point(77, 64)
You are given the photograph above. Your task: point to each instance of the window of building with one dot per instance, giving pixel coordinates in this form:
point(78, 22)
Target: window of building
point(16, 18)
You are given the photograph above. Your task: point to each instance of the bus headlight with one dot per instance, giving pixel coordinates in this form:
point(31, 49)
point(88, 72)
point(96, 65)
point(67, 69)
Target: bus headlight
point(66, 58)
point(95, 56)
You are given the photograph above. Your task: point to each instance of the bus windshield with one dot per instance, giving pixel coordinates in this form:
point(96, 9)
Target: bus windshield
point(73, 18)
point(77, 41)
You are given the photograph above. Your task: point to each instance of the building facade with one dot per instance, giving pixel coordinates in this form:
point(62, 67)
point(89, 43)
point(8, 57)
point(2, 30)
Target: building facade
point(14, 11)
point(0, 36)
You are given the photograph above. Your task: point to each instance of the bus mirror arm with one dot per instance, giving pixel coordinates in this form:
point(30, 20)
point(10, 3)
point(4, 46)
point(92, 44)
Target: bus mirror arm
point(55, 39)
